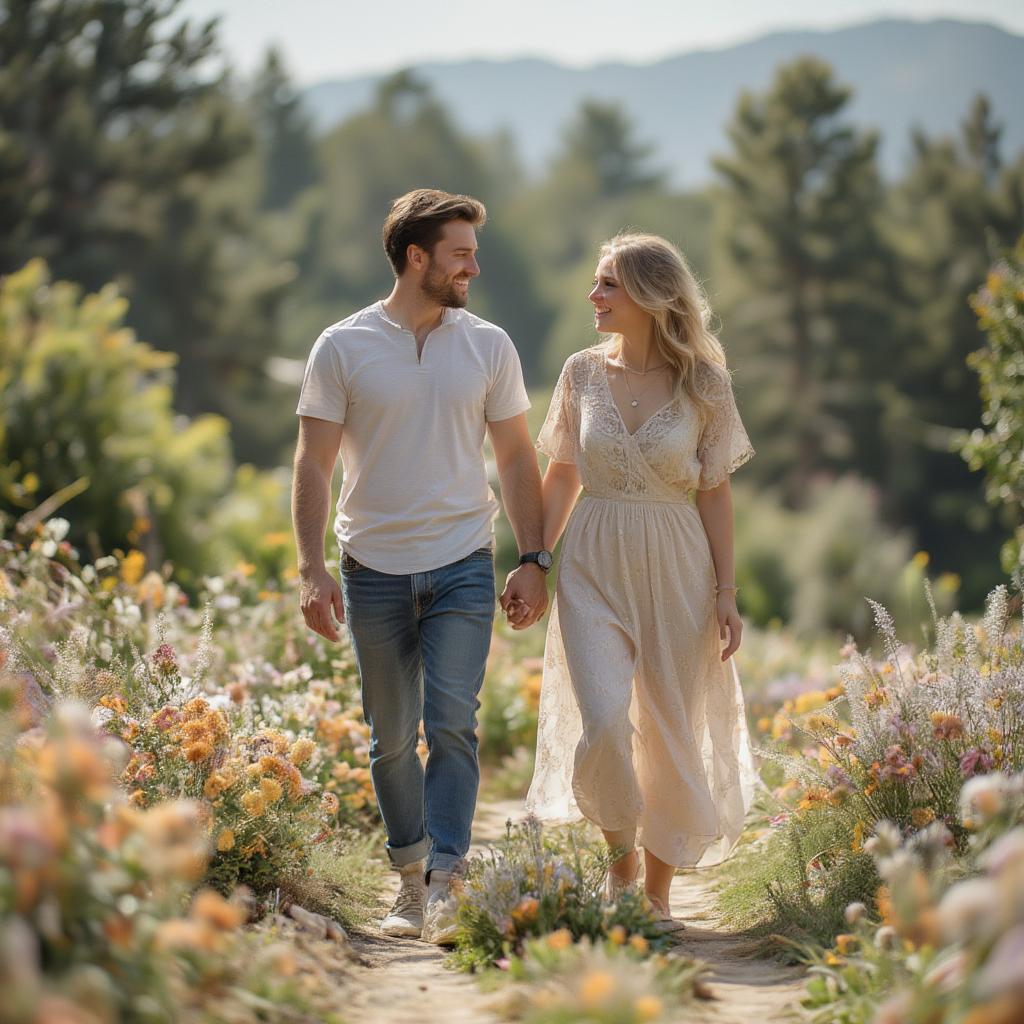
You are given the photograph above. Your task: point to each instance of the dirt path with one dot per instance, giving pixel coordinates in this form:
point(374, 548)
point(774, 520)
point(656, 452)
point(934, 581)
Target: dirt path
point(403, 981)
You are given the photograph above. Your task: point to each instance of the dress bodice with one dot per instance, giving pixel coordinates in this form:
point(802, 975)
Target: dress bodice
point(678, 449)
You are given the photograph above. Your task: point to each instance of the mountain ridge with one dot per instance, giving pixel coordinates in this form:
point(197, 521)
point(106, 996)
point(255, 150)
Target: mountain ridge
point(903, 74)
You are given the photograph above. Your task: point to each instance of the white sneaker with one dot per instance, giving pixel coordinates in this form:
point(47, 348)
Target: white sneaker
point(406, 917)
point(439, 924)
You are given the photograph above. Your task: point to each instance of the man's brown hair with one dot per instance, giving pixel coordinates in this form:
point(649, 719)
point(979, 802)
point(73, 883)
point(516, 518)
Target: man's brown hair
point(419, 217)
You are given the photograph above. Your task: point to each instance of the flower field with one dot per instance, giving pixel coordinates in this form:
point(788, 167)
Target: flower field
point(187, 822)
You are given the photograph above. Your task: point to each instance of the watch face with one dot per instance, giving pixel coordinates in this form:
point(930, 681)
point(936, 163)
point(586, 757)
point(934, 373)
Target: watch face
point(544, 559)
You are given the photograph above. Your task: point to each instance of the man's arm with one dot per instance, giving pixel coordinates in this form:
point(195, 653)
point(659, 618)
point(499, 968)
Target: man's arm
point(315, 456)
point(525, 597)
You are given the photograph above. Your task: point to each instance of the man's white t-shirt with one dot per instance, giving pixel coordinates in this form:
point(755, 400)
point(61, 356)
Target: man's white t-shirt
point(414, 494)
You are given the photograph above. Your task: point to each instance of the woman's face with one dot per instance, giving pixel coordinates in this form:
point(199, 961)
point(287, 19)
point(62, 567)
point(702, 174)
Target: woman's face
point(614, 311)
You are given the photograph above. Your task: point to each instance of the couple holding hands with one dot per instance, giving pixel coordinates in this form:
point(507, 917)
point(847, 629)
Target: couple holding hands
point(641, 726)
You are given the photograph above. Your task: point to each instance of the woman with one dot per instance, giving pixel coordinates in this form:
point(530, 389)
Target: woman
point(641, 726)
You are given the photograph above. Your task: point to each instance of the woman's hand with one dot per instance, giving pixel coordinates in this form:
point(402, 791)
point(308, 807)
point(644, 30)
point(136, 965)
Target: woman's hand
point(730, 625)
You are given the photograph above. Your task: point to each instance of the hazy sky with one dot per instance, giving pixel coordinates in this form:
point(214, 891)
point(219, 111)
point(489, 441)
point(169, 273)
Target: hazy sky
point(339, 38)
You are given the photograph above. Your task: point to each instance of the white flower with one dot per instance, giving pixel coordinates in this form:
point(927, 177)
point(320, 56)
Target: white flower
point(1002, 971)
point(968, 910)
point(983, 797)
point(226, 602)
point(885, 841)
point(57, 528)
point(855, 912)
point(1006, 851)
point(886, 937)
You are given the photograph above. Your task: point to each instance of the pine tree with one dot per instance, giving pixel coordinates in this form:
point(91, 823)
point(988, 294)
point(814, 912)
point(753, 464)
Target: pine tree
point(809, 309)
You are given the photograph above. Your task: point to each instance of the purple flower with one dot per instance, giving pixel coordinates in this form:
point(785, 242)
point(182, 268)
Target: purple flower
point(976, 761)
point(165, 661)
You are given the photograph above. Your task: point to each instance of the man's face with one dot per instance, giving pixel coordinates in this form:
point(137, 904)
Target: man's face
point(452, 265)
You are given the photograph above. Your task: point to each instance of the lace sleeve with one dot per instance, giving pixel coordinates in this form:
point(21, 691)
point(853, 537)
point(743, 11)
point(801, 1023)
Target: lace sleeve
point(559, 438)
point(724, 445)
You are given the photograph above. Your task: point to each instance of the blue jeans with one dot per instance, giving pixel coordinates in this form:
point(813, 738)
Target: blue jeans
point(421, 643)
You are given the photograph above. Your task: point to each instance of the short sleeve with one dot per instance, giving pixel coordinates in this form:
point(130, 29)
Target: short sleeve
point(559, 437)
point(724, 445)
point(506, 396)
point(323, 393)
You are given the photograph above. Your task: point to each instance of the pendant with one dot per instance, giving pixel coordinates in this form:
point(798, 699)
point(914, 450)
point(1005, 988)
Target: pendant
point(635, 402)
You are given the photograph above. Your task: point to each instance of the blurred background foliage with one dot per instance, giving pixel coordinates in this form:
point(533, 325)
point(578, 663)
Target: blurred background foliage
point(202, 214)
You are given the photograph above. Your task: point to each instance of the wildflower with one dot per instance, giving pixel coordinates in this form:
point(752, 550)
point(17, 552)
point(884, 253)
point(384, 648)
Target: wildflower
point(946, 726)
point(648, 1007)
point(133, 565)
point(254, 802)
point(226, 840)
point(213, 909)
point(237, 692)
point(969, 910)
point(166, 717)
point(876, 698)
point(302, 750)
point(982, 798)
point(885, 841)
point(639, 944)
point(845, 943)
point(813, 797)
point(195, 708)
point(886, 937)
point(617, 935)
point(164, 660)
point(525, 911)
point(855, 913)
point(561, 939)
point(197, 752)
point(857, 843)
point(270, 790)
point(921, 816)
point(976, 761)
point(330, 803)
point(114, 703)
point(595, 988)
point(821, 724)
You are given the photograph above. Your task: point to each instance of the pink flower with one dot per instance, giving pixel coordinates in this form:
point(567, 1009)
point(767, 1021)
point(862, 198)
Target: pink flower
point(164, 660)
point(976, 761)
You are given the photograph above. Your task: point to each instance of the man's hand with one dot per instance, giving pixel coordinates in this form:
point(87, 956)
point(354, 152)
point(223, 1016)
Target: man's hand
point(525, 597)
point(319, 594)
point(730, 625)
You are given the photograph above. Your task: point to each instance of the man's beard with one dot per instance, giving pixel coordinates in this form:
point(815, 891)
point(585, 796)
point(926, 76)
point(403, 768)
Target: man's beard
point(439, 289)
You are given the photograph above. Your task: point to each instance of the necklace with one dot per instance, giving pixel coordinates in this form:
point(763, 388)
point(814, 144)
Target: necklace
point(622, 364)
point(634, 399)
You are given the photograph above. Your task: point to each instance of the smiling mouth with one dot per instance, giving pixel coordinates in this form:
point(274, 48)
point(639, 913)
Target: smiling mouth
point(601, 312)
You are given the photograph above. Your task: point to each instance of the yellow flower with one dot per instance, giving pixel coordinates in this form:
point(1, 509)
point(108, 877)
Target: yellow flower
point(648, 1007)
point(921, 560)
point(196, 752)
point(226, 840)
point(821, 724)
point(639, 943)
point(618, 935)
point(562, 939)
point(302, 750)
point(270, 790)
point(254, 802)
point(212, 909)
point(133, 565)
point(114, 703)
point(810, 700)
point(525, 911)
point(921, 816)
point(595, 988)
point(330, 803)
point(244, 568)
point(858, 837)
point(845, 943)
point(276, 539)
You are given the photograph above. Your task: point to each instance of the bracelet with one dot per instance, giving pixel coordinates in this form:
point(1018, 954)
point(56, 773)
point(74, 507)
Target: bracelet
point(718, 590)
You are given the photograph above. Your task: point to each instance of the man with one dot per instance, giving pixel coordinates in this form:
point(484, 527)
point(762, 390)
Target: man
point(405, 389)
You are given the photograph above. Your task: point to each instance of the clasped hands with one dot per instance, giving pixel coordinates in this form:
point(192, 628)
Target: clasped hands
point(525, 597)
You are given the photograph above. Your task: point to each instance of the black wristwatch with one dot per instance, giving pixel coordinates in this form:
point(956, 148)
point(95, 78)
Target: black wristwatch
point(542, 558)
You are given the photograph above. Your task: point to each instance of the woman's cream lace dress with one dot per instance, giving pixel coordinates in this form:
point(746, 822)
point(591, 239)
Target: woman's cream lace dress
point(641, 724)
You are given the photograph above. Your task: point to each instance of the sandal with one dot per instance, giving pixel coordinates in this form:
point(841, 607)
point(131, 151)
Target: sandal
point(615, 886)
point(664, 922)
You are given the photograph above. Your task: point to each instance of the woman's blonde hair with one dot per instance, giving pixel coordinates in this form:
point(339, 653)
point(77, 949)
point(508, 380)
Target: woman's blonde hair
point(658, 279)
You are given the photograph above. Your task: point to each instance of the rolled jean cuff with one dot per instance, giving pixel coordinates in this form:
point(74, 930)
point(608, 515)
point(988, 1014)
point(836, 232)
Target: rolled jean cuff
point(402, 855)
point(444, 862)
